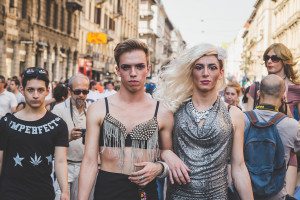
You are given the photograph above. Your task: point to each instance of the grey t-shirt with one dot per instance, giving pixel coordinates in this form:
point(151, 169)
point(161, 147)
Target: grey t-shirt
point(288, 129)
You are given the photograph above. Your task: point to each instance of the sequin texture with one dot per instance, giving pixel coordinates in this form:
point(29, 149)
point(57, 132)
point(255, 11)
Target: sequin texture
point(205, 149)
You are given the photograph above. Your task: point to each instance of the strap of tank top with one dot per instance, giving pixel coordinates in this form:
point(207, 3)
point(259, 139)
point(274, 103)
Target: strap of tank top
point(106, 105)
point(228, 108)
point(156, 109)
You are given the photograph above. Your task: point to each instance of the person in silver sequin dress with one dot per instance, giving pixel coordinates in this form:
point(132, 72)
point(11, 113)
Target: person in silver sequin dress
point(207, 132)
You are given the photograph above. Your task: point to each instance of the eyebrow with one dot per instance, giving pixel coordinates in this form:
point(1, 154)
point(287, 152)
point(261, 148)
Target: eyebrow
point(35, 88)
point(128, 65)
point(210, 64)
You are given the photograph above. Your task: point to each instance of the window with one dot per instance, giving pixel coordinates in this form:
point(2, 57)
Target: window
point(111, 24)
point(55, 16)
point(105, 21)
point(24, 9)
point(38, 10)
point(97, 15)
point(62, 19)
point(48, 12)
point(11, 3)
point(90, 10)
point(69, 27)
point(119, 8)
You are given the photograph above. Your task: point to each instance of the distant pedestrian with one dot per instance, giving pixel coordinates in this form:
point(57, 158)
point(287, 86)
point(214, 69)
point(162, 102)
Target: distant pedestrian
point(270, 136)
point(59, 94)
point(109, 89)
point(94, 94)
point(73, 111)
point(15, 88)
point(279, 60)
point(232, 92)
point(8, 101)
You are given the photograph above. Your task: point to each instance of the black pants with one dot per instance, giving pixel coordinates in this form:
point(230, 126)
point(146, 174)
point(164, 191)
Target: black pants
point(114, 186)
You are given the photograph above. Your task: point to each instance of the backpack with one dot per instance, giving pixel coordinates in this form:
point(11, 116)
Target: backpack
point(264, 155)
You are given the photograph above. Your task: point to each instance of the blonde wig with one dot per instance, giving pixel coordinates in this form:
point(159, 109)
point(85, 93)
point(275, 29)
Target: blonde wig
point(175, 84)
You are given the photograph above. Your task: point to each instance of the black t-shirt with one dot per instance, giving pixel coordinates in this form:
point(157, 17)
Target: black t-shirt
point(28, 148)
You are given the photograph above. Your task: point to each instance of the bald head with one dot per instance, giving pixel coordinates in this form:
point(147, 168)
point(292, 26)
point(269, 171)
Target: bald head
point(78, 78)
point(272, 86)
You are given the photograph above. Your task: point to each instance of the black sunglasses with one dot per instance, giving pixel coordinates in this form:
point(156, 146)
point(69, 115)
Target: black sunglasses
point(35, 71)
point(78, 92)
point(274, 58)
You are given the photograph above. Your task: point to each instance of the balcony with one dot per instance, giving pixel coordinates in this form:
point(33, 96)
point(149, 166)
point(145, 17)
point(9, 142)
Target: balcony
point(146, 14)
point(74, 5)
point(145, 31)
point(97, 2)
point(118, 12)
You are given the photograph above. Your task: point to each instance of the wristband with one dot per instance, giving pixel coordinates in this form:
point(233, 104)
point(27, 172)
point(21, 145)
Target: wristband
point(165, 171)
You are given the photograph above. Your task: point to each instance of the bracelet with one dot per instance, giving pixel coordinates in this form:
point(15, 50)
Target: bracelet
point(165, 171)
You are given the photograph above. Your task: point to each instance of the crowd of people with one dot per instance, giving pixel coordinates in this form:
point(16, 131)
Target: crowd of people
point(187, 137)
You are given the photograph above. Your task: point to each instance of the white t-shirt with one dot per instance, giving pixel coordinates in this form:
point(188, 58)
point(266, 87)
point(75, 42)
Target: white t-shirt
point(7, 101)
point(93, 96)
point(20, 97)
point(108, 93)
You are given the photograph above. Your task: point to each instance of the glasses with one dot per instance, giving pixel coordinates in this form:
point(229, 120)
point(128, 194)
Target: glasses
point(78, 92)
point(274, 58)
point(34, 71)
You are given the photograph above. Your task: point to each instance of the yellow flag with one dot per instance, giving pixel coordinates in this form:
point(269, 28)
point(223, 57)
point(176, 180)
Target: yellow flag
point(97, 38)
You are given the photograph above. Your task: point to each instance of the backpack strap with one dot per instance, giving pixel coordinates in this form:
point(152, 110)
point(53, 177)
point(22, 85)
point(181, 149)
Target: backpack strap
point(251, 116)
point(276, 118)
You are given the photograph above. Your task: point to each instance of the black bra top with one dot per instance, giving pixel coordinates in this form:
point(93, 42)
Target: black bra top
point(142, 131)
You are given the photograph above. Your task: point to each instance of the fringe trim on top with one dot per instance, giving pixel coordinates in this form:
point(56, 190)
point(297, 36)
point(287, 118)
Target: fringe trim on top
point(143, 138)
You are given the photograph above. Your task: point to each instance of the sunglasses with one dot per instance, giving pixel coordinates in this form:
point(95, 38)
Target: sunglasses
point(274, 58)
point(78, 92)
point(34, 71)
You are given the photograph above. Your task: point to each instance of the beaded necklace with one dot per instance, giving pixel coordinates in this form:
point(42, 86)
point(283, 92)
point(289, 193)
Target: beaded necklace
point(199, 115)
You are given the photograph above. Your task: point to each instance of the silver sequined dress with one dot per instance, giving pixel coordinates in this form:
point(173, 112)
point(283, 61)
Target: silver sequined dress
point(205, 150)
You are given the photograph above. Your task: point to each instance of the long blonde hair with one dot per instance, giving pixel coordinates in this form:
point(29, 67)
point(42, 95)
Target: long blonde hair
point(175, 84)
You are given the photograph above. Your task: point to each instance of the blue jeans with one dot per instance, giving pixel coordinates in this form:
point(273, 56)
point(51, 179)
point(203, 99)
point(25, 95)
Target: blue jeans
point(160, 188)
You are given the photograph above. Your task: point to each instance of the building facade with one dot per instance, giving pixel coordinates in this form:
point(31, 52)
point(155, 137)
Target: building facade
point(286, 25)
point(177, 43)
point(156, 29)
point(116, 20)
point(146, 32)
point(234, 58)
point(53, 34)
point(270, 22)
point(163, 28)
point(41, 33)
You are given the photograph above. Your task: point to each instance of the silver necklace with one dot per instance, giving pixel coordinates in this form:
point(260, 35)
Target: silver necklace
point(198, 115)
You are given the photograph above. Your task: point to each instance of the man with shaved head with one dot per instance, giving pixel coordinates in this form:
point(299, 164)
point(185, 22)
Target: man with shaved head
point(269, 138)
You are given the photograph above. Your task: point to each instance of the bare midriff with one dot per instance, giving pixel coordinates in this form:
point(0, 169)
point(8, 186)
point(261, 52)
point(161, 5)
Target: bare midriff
point(111, 161)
